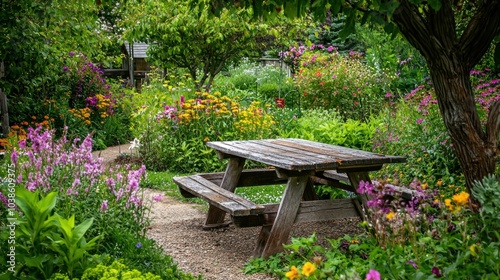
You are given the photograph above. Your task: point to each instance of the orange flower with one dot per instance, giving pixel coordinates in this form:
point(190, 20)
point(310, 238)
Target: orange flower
point(461, 198)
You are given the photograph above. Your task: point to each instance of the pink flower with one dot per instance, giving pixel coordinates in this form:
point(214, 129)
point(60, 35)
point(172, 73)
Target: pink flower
point(14, 157)
point(157, 198)
point(419, 121)
point(373, 275)
point(104, 206)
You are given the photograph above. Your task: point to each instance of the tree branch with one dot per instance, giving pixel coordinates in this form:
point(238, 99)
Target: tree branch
point(480, 32)
point(415, 29)
point(442, 25)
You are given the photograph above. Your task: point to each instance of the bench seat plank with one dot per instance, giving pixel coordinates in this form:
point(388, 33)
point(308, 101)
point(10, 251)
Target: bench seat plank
point(309, 211)
point(402, 191)
point(223, 199)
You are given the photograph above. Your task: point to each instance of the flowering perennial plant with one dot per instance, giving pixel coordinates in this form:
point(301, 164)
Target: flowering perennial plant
point(181, 129)
point(333, 81)
point(86, 187)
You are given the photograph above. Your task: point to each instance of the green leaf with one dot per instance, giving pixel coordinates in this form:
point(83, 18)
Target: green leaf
point(435, 4)
point(82, 228)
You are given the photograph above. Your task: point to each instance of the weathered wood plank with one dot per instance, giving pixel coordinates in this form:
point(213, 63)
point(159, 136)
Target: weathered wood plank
point(298, 154)
point(217, 197)
point(309, 211)
point(285, 217)
point(401, 191)
point(215, 216)
point(249, 177)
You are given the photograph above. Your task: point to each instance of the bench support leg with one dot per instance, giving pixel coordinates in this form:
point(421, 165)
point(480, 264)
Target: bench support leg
point(355, 178)
point(270, 241)
point(215, 216)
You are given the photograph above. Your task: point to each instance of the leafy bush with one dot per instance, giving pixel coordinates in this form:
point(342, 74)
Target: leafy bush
point(416, 130)
point(327, 126)
point(111, 198)
point(431, 236)
point(175, 137)
point(117, 270)
point(45, 242)
point(332, 81)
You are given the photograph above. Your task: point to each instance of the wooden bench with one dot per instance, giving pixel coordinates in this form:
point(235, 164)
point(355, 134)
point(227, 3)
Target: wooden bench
point(343, 180)
point(245, 213)
point(233, 204)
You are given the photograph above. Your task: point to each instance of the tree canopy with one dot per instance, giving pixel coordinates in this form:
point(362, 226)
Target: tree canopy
point(189, 38)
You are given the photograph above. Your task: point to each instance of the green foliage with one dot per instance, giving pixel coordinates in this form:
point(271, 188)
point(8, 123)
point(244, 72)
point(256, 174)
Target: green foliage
point(333, 81)
point(186, 37)
point(142, 254)
point(393, 58)
point(328, 34)
point(37, 36)
point(327, 126)
point(175, 134)
point(46, 242)
point(117, 270)
point(487, 193)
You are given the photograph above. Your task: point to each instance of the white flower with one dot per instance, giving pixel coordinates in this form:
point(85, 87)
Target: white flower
point(134, 144)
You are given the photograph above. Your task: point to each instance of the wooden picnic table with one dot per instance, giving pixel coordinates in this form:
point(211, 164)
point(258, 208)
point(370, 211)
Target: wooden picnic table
point(300, 164)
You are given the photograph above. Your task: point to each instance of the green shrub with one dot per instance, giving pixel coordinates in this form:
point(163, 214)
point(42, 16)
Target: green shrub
point(327, 126)
point(45, 242)
point(117, 270)
point(175, 137)
point(344, 83)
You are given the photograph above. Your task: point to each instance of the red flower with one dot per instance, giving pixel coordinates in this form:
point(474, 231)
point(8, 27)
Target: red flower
point(280, 102)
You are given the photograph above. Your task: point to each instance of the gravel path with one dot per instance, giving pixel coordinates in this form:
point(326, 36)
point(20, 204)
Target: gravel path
point(220, 253)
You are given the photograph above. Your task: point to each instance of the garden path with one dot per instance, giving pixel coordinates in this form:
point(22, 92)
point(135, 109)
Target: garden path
point(220, 253)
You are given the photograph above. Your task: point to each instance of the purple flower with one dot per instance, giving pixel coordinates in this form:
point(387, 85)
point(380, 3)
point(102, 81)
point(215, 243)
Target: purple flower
point(388, 95)
point(71, 54)
point(104, 206)
point(14, 157)
point(65, 68)
point(412, 263)
point(419, 121)
point(157, 198)
point(436, 271)
point(373, 275)
point(139, 245)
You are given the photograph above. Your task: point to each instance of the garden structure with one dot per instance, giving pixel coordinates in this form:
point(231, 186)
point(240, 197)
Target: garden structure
point(299, 163)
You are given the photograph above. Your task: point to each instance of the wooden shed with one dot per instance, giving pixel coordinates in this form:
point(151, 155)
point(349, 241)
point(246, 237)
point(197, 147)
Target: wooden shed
point(135, 66)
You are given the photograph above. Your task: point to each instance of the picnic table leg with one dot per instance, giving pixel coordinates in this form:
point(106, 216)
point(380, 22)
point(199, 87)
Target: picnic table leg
point(271, 238)
point(355, 178)
point(215, 216)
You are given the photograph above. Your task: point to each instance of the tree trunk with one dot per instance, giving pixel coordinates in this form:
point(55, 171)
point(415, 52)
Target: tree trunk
point(450, 59)
point(476, 153)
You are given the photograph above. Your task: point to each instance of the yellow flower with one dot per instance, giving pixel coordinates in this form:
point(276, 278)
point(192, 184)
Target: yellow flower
point(308, 268)
point(424, 186)
point(206, 139)
point(390, 215)
point(473, 250)
point(447, 203)
point(439, 183)
point(87, 122)
point(461, 198)
point(293, 273)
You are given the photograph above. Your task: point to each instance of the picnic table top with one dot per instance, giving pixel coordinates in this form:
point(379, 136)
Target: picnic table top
point(299, 155)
